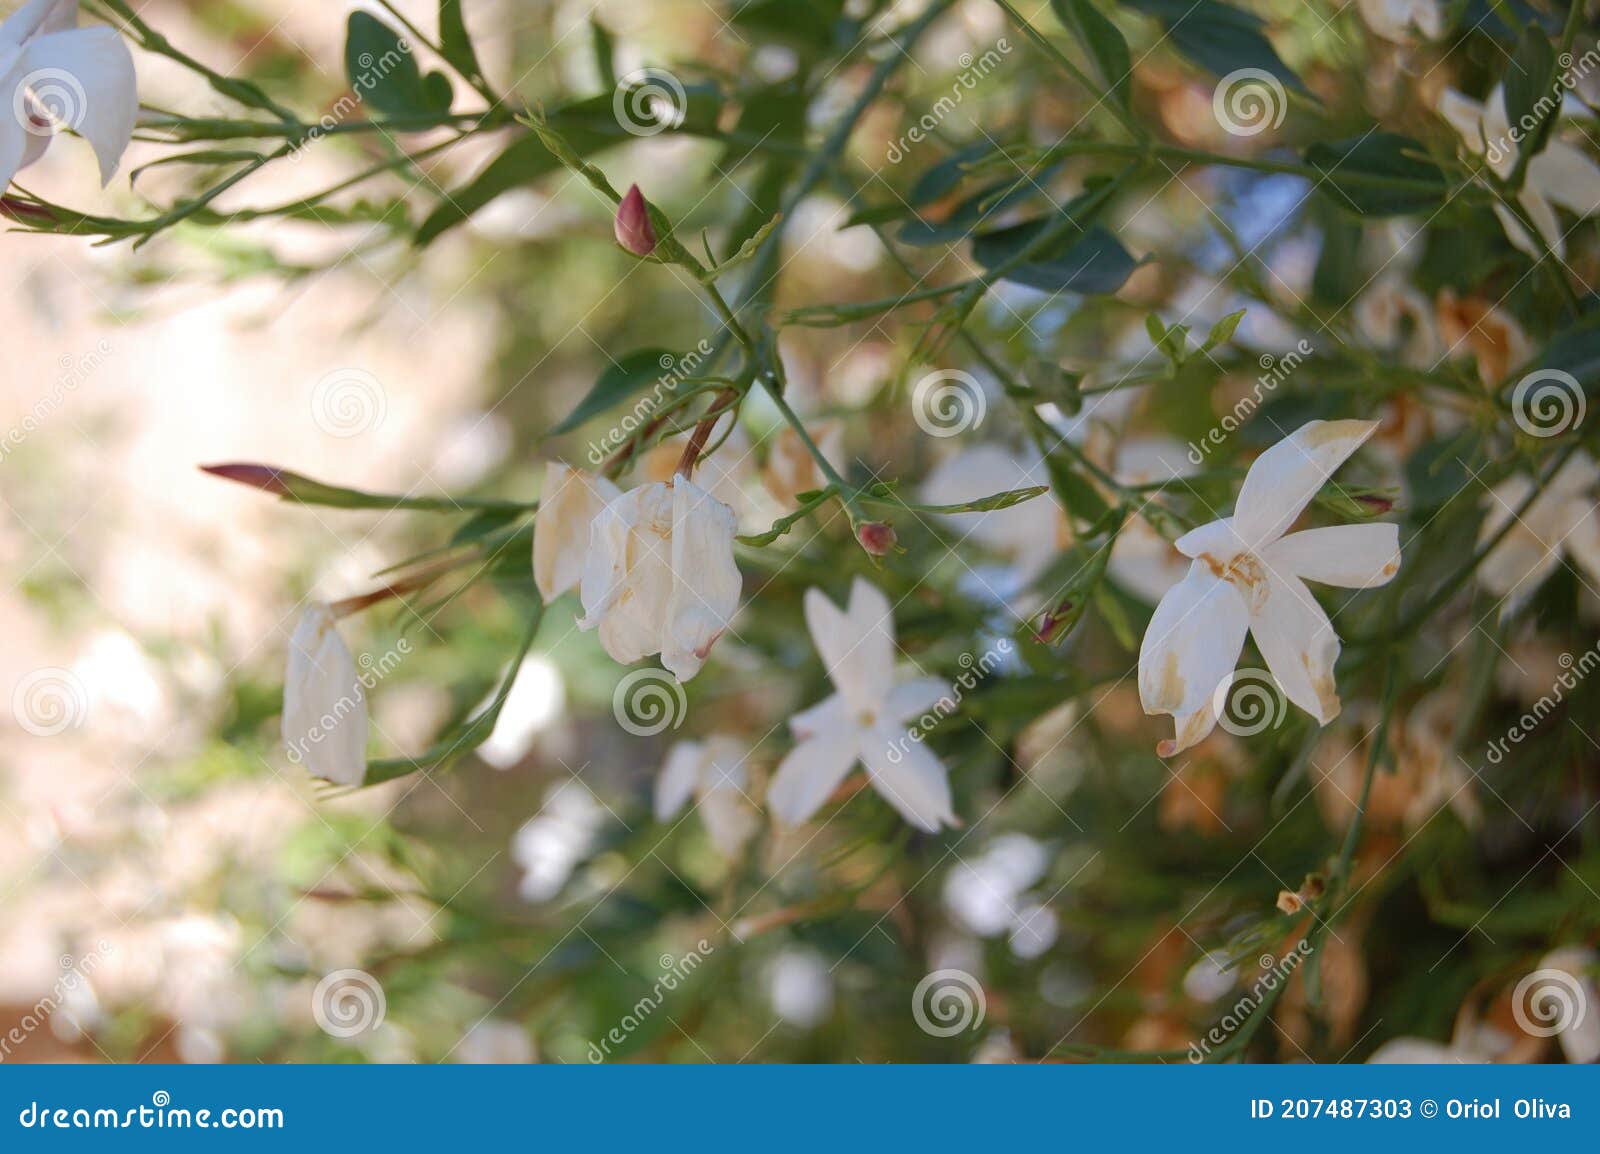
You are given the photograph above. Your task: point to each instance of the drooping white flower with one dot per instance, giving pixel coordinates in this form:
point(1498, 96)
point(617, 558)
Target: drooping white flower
point(55, 74)
point(659, 575)
point(1247, 575)
point(713, 773)
point(568, 505)
point(1558, 175)
point(1399, 20)
point(864, 721)
point(324, 709)
point(1561, 519)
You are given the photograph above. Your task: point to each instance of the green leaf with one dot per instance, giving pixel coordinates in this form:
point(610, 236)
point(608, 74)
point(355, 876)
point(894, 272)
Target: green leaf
point(1222, 332)
point(634, 373)
point(984, 504)
point(1345, 163)
point(1079, 497)
point(811, 28)
point(1218, 37)
point(605, 53)
point(1102, 41)
point(1094, 261)
point(525, 160)
point(1533, 97)
point(1172, 343)
point(454, 43)
point(383, 71)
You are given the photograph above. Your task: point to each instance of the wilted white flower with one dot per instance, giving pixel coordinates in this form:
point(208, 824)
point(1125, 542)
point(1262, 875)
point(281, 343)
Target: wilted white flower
point(659, 576)
point(568, 505)
point(713, 773)
point(1399, 20)
point(1397, 318)
point(1246, 575)
point(324, 709)
point(1562, 518)
point(87, 73)
point(1558, 175)
point(865, 720)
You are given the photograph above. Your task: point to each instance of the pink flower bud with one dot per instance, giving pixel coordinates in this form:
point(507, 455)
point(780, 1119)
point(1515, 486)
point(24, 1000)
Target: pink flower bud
point(876, 537)
point(633, 228)
point(263, 477)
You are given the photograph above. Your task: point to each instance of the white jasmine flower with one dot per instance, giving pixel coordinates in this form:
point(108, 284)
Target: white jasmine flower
point(1561, 519)
point(713, 773)
point(1558, 175)
point(659, 575)
point(864, 721)
point(1247, 575)
point(988, 894)
point(1397, 20)
point(324, 709)
point(49, 69)
point(568, 505)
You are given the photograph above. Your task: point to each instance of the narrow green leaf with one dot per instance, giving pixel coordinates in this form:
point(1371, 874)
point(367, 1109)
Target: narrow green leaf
point(1096, 263)
point(1103, 43)
point(634, 373)
point(1378, 154)
point(1533, 97)
point(454, 42)
point(1218, 37)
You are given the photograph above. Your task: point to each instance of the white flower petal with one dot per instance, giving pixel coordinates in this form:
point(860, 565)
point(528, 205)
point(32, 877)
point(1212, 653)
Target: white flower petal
point(1192, 643)
point(1567, 177)
point(1283, 480)
point(729, 821)
point(908, 776)
point(1349, 556)
point(915, 697)
point(1421, 1052)
point(1218, 540)
point(705, 578)
point(810, 772)
point(99, 60)
point(1465, 115)
point(828, 714)
point(678, 778)
point(627, 573)
point(568, 505)
point(1299, 645)
point(856, 645)
point(324, 710)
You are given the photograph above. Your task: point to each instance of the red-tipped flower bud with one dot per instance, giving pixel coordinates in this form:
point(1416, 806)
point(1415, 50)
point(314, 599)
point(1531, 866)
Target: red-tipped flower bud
point(263, 477)
point(876, 537)
point(633, 228)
